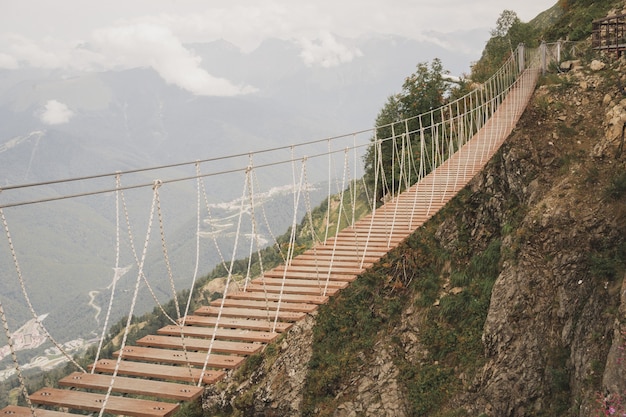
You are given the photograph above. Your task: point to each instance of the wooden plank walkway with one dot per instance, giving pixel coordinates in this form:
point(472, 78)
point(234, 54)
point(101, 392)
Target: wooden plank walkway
point(164, 369)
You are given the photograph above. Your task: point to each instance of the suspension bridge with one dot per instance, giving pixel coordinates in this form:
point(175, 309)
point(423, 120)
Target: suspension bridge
point(433, 157)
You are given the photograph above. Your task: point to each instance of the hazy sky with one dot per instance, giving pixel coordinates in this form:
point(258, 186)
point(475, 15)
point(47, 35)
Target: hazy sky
point(96, 35)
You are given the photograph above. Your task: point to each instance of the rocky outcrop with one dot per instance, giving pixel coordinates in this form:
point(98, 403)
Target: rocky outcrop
point(554, 335)
point(554, 332)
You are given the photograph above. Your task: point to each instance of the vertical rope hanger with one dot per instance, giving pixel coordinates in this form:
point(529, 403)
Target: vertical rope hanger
point(16, 364)
point(197, 258)
point(228, 281)
point(116, 270)
point(329, 192)
point(255, 237)
point(332, 257)
point(291, 249)
point(314, 238)
point(166, 257)
point(155, 187)
point(155, 195)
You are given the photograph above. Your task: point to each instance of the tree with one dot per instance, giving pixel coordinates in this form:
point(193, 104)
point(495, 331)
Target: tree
point(505, 21)
point(424, 90)
point(509, 32)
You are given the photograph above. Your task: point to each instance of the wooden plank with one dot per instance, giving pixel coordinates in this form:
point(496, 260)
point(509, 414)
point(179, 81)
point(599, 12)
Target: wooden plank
point(148, 354)
point(263, 325)
point(93, 402)
point(323, 250)
point(325, 263)
point(288, 289)
point(164, 372)
point(136, 386)
point(315, 283)
point(314, 299)
point(310, 275)
point(346, 258)
point(193, 343)
point(361, 240)
point(253, 313)
point(368, 232)
point(272, 306)
point(321, 269)
point(223, 334)
point(16, 411)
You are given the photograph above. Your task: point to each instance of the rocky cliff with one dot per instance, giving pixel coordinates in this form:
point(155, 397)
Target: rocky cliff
point(511, 302)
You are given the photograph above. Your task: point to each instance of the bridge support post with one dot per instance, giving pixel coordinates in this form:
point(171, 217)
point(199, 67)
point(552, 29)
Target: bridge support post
point(521, 54)
point(544, 61)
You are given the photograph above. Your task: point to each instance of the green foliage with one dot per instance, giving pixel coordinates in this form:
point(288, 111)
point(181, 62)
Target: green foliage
point(617, 187)
point(510, 31)
point(424, 90)
point(427, 388)
point(345, 328)
point(557, 377)
point(575, 23)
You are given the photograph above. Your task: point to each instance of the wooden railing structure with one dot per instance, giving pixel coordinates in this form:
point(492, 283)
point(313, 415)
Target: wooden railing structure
point(609, 35)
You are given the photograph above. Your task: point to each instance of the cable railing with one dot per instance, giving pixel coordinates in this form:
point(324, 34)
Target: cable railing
point(419, 146)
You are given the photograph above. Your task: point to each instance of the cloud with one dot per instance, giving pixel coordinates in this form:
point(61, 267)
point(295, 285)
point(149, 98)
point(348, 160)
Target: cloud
point(150, 45)
point(327, 52)
point(55, 113)
point(8, 62)
point(121, 47)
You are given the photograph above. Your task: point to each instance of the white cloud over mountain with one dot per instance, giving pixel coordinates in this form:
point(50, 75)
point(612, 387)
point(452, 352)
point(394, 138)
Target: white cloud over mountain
point(149, 45)
point(56, 113)
point(81, 36)
point(327, 51)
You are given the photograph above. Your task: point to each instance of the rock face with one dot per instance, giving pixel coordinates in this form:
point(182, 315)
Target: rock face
point(554, 332)
point(274, 388)
point(554, 335)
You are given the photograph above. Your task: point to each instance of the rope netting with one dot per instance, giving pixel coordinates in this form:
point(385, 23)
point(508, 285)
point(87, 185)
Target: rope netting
point(328, 174)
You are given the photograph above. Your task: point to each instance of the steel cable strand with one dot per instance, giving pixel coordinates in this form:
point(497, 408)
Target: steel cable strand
point(20, 278)
point(16, 364)
point(292, 239)
point(116, 276)
point(493, 80)
point(177, 165)
point(129, 319)
point(228, 281)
